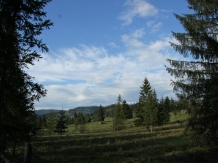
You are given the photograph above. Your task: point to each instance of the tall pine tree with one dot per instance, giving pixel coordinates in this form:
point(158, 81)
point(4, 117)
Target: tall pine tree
point(196, 79)
point(21, 22)
point(150, 109)
point(127, 112)
point(145, 89)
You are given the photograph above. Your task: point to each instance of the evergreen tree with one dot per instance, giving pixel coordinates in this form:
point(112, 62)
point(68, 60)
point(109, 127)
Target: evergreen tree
point(88, 119)
point(126, 110)
point(172, 105)
point(145, 89)
point(39, 120)
point(118, 119)
point(21, 22)
point(150, 110)
point(100, 114)
point(61, 123)
point(167, 109)
point(196, 79)
point(160, 112)
point(81, 119)
point(75, 118)
point(81, 122)
point(51, 122)
point(44, 121)
point(163, 113)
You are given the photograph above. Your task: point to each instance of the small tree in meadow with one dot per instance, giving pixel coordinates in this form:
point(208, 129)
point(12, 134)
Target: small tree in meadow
point(61, 123)
point(100, 114)
point(51, 122)
point(118, 119)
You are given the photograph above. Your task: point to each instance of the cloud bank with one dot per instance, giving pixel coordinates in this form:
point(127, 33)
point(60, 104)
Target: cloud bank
point(137, 8)
point(90, 75)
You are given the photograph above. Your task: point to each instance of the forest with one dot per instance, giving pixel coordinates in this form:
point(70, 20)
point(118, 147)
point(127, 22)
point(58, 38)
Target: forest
point(150, 130)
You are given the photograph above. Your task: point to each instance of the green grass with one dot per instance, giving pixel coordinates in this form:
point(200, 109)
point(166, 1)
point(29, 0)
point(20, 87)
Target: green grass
point(167, 144)
point(179, 116)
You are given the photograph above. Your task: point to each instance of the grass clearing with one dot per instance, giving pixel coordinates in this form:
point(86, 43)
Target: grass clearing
point(133, 145)
point(167, 144)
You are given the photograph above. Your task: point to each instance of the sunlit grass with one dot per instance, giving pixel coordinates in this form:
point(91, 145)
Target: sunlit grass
point(101, 144)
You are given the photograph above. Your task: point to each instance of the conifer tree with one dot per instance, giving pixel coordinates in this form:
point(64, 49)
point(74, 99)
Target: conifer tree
point(75, 118)
point(150, 110)
point(163, 113)
point(44, 121)
point(100, 114)
point(160, 112)
point(118, 119)
point(81, 122)
point(61, 123)
point(81, 119)
point(145, 89)
point(126, 110)
point(196, 78)
point(51, 122)
point(167, 109)
point(21, 22)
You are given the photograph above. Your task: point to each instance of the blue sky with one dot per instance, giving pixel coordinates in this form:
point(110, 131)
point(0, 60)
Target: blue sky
point(99, 49)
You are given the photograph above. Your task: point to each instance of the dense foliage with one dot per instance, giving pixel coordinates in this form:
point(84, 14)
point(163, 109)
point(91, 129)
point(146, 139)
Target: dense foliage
point(118, 119)
point(61, 122)
point(100, 114)
point(196, 77)
point(21, 22)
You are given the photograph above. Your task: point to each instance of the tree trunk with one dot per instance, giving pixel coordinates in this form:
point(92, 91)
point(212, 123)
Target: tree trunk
point(28, 153)
point(151, 128)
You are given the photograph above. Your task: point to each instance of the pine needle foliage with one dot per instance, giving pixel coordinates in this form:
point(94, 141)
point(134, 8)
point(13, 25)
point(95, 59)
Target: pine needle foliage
point(145, 89)
point(118, 119)
point(21, 23)
point(196, 78)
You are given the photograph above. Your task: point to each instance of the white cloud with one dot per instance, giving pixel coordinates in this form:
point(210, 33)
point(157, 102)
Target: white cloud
point(150, 23)
point(113, 45)
point(137, 8)
point(156, 27)
point(89, 75)
point(132, 39)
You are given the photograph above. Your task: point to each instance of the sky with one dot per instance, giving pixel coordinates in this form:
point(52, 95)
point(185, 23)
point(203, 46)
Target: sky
point(99, 49)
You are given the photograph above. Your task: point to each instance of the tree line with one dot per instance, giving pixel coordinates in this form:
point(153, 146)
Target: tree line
point(195, 78)
point(149, 111)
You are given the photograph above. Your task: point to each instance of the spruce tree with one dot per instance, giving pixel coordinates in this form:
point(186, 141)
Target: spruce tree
point(145, 89)
point(160, 112)
point(196, 77)
point(167, 109)
point(163, 113)
point(118, 119)
point(44, 121)
point(150, 109)
point(75, 118)
point(126, 110)
point(61, 123)
point(51, 122)
point(81, 122)
point(100, 114)
point(21, 23)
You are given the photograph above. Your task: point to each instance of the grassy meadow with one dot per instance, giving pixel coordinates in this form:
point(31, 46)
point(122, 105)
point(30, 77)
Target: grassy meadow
point(100, 144)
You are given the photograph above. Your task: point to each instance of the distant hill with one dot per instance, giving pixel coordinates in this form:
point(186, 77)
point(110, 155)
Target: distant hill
point(84, 109)
point(91, 110)
point(45, 111)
